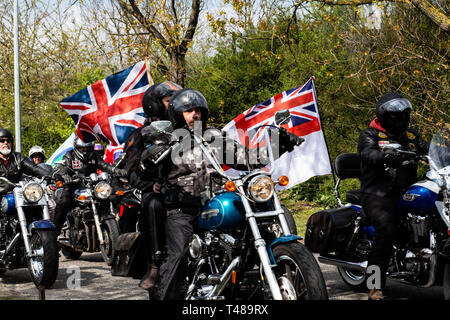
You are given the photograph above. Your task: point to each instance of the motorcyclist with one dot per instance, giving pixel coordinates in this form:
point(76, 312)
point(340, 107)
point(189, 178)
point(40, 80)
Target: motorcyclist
point(155, 104)
point(384, 178)
point(189, 183)
point(37, 155)
point(14, 164)
point(81, 160)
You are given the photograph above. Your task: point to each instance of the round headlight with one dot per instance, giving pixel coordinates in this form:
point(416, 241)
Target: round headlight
point(33, 192)
point(195, 246)
point(102, 190)
point(261, 188)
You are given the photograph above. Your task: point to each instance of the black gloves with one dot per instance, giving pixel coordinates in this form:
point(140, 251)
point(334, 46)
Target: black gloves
point(393, 160)
point(289, 140)
point(153, 152)
point(66, 178)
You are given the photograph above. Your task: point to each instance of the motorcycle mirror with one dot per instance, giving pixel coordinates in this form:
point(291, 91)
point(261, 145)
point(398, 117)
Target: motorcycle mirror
point(161, 126)
point(282, 117)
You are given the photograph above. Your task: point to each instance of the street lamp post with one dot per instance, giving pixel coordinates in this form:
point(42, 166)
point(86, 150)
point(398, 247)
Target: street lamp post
point(18, 136)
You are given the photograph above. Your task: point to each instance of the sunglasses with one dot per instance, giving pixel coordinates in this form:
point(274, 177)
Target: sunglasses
point(5, 140)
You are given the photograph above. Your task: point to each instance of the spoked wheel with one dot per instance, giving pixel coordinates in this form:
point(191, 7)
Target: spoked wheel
point(298, 274)
point(110, 231)
point(44, 262)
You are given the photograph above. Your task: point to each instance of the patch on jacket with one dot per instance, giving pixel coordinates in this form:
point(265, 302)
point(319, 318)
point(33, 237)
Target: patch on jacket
point(412, 146)
point(76, 164)
point(382, 135)
point(411, 136)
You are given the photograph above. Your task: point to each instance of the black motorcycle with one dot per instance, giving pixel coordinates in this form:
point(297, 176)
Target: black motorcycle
point(91, 226)
point(343, 236)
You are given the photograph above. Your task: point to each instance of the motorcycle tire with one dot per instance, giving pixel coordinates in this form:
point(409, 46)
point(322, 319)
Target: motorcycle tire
point(298, 273)
point(446, 281)
point(290, 220)
point(110, 230)
point(44, 266)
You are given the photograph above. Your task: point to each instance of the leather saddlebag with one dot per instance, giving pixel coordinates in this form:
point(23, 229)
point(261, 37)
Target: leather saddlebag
point(129, 259)
point(328, 230)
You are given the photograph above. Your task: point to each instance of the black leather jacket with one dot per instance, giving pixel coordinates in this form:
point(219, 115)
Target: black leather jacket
point(375, 179)
point(73, 164)
point(18, 165)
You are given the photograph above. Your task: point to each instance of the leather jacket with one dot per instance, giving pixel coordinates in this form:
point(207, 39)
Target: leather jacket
point(73, 164)
point(375, 179)
point(18, 165)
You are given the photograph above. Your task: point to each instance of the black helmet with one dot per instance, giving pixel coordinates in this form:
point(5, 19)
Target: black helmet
point(151, 101)
point(185, 100)
point(5, 133)
point(82, 149)
point(393, 112)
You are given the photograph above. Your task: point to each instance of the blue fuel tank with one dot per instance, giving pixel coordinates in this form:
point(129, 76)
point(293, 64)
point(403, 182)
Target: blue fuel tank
point(420, 198)
point(225, 211)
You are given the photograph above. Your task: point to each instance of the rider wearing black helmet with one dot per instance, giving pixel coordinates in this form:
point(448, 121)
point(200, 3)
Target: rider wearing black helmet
point(14, 164)
point(141, 176)
point(82, 160)
point(189, 181)
point(383, 177)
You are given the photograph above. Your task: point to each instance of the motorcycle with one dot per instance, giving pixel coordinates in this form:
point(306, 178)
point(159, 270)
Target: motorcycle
point(27, 237)
point(91, 226)
point(343, 236)
point(244, 246)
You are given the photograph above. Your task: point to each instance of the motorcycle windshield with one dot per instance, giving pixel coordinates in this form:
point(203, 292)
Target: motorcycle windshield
point(439, 151)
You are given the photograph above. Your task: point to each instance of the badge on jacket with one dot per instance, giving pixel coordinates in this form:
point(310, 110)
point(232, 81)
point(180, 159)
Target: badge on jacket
point(76, 164)
point(382, 143)
point(382, 135)
point(411, 136)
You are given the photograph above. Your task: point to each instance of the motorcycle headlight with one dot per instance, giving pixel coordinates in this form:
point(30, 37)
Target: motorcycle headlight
point(195, 246)
point(102, 190)
point(33, 192)
point(261, 188)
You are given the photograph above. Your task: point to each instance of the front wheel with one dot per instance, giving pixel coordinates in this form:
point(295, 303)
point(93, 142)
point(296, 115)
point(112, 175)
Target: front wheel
point(44, 262)
point(110, 231)
point(298, 273)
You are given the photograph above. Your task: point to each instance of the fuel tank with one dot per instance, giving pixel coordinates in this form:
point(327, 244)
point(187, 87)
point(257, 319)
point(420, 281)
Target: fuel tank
point(420, 198)
point(225, 211)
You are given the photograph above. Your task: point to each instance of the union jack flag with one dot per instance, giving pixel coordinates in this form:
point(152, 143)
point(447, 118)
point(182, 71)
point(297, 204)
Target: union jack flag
point(305, 161)
point(110, 109)
point(301, 103)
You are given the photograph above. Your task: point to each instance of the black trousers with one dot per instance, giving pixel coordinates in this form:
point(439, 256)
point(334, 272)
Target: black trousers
point(151, 225)
point(383, 216)
point(179, 226)
point(64, 203)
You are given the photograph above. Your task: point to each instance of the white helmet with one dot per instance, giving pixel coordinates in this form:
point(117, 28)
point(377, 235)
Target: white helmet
point(36, 149)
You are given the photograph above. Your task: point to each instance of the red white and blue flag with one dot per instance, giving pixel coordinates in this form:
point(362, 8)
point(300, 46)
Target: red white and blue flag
point(110, 109)
point(305, 161)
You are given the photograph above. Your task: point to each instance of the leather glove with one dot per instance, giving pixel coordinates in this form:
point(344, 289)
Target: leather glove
point(120, 172)
point(289, 140)
point(392, 160)
point(66, 178)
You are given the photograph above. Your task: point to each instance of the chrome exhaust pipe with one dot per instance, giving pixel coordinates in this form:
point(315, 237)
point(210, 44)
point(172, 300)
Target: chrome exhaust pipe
point(359, 266)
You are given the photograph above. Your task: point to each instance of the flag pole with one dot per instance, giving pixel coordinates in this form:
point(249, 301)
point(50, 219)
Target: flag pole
point(18, 142)
point(149, 74)
point(323, 132)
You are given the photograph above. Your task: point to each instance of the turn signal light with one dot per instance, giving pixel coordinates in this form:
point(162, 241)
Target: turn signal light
point(82, 198)
point(120, 193)
point(233, 277)
point(283, 180)
point(59, 184)
point(230, 186)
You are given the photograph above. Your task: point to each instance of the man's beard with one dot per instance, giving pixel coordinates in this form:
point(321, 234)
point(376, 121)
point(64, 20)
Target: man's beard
point(6, 151)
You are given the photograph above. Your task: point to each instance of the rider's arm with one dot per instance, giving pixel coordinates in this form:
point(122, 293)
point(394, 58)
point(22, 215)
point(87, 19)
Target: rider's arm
point(368, 149)
point(29, 168)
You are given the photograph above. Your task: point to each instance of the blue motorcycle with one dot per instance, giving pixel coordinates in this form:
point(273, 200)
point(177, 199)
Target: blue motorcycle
point(245, 246)
point(421, 253)
point(27, 236)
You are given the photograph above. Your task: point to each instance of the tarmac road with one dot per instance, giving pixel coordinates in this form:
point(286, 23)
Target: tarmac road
point(96, 283)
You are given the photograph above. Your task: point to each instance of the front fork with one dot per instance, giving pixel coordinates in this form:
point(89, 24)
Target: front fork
point(97, 224)
point(260, 246)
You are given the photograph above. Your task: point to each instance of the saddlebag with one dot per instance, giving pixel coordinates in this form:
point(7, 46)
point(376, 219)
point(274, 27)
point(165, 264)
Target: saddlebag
point(129, 259)
point(328, 230)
